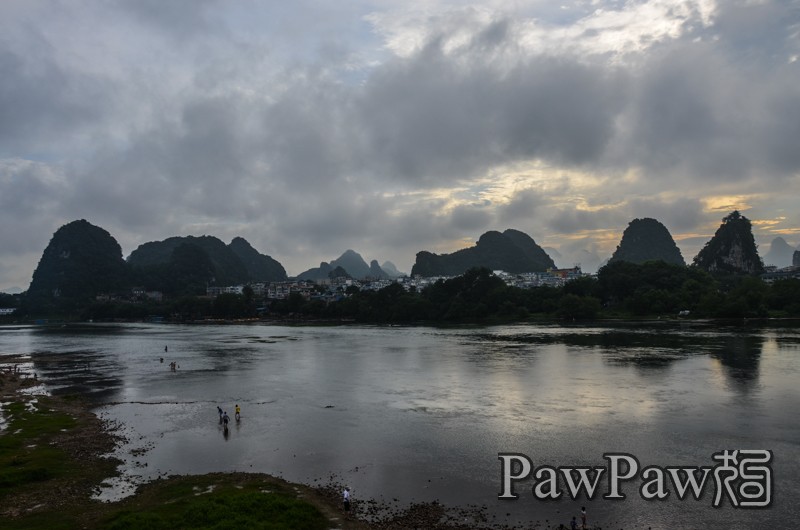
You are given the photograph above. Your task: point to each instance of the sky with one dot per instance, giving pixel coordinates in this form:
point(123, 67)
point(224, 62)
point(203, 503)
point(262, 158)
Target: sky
point(389, 127)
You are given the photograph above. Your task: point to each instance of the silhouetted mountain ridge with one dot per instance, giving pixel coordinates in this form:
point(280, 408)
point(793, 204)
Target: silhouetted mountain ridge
point(511, 251)
point(355, 266)
point(780, 253)
point(81, 261)
point(732, 249)
point(647, 240)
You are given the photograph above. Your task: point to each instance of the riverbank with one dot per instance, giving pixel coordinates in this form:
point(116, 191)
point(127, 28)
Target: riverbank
point(54, 459)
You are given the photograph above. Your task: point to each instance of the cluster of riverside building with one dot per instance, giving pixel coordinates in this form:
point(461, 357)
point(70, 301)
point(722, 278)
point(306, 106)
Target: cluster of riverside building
point(334, 287)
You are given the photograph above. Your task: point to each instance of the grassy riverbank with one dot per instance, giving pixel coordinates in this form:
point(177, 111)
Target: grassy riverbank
point(51, 461)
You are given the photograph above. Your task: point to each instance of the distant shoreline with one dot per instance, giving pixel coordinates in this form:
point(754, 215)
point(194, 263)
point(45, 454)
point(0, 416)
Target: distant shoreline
point(433, 324)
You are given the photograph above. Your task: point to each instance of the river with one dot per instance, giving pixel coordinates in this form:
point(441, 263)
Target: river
point(422, 413)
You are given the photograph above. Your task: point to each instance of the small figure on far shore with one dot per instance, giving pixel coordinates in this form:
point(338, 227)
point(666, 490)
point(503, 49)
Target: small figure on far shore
point(162, 360)
point(166, 349)
point(346, 502)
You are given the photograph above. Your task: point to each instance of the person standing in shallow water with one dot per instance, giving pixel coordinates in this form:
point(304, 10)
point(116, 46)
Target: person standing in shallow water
point(346, 502)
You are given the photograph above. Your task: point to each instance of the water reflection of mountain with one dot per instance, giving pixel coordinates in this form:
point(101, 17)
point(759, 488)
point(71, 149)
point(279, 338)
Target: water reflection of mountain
point(641, 346)
point(84, 373)
point(740, 355)
point(647, 346)
point(63, 356)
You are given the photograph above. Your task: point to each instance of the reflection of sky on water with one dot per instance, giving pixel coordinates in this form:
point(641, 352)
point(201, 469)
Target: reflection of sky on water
point(421, 413)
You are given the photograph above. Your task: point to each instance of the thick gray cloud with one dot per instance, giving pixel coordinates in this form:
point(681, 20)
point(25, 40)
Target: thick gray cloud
point(436, 117)
point(721, 103)
point(313, 130)
point(41, 103)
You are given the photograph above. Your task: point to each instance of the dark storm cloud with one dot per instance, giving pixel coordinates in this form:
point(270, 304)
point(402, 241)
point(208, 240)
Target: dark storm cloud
point(436, 117)
point(309, 135)
point(677, 215)
point(694, 116)
point(472, 218)
point(180, 18)
point(525, 204)
point(29, 200)
point(723, 107)
point(41, 102)
point(569, 220)
point(758, 31)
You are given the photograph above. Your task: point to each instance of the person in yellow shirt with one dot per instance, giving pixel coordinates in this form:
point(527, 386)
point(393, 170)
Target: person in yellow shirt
point(238, 412)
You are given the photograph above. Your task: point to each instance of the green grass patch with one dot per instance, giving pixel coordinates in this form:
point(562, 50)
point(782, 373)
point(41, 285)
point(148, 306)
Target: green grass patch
point(26, 455)
point(49, 520)
point(188, 505)
point(39, 470)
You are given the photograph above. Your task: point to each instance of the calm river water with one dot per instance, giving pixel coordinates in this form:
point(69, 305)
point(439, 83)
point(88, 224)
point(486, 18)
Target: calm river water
point(417, 413)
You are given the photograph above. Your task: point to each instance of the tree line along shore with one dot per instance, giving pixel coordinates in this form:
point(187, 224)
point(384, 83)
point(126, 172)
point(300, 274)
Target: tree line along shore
point(620, 290)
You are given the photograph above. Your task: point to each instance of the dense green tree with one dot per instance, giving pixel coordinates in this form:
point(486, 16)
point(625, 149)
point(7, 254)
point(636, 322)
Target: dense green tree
point(653, 288)
point(230, 305)
point(784, 296)
point(574, 307)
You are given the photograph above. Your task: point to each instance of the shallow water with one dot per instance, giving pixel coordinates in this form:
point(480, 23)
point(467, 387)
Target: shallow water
point(418, 414)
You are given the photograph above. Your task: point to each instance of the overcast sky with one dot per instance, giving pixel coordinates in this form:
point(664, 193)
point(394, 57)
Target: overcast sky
point(394, 126)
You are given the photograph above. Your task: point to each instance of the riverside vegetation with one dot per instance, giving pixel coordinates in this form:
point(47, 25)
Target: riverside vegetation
point(620, 290)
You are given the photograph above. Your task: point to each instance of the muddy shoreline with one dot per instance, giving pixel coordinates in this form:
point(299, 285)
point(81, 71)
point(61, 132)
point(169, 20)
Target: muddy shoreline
point(92, 441)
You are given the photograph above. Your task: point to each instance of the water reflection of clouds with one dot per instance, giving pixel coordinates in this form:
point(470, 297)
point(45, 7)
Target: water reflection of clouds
point(411, 405)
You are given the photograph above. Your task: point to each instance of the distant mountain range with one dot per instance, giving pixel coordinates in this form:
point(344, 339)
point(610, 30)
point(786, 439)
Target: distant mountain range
point(355, 266)
point(235, 263)
point(780, 253)
point(83, 260)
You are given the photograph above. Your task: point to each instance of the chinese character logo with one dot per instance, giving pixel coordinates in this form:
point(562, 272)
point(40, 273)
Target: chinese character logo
point(744, 477)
